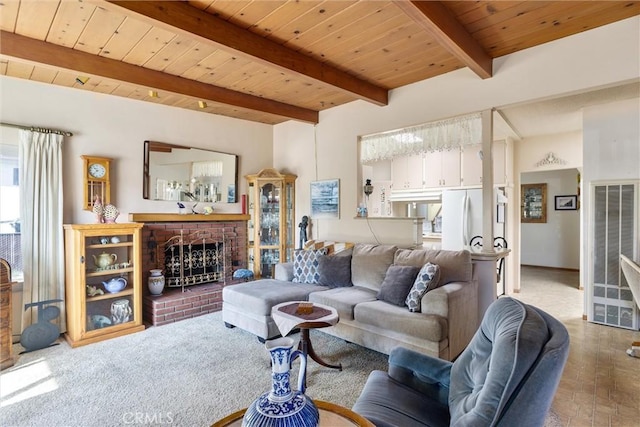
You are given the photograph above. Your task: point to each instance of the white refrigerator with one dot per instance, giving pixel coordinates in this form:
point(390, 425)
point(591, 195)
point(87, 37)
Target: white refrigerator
point(462, 220)
point(462, 217)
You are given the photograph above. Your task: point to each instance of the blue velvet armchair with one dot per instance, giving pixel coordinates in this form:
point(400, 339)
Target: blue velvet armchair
point(507, 376)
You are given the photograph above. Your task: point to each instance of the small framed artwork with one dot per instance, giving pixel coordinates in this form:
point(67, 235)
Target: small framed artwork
point(325, 199)
point(566, 203)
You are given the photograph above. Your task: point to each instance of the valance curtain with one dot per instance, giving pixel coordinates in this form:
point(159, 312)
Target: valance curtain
point(435, 136)
point(41, 205)
point(207, 169)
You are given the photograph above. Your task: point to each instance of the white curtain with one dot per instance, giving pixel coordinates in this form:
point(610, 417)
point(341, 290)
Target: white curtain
point(440, 135)
point(41, 215)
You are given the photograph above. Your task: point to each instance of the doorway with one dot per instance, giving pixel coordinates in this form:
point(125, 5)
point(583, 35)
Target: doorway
point(550, 250)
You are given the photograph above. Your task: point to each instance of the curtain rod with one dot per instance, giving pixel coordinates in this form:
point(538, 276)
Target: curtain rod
point(37, 129)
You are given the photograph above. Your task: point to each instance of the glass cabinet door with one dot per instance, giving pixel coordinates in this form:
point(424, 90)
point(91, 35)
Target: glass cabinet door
point(289, 221)
point(251, 227)
point(269, 215)
point(109, 281)
point(269, 231)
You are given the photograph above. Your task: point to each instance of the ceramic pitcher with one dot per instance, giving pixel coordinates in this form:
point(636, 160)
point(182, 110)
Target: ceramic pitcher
point(283, 406)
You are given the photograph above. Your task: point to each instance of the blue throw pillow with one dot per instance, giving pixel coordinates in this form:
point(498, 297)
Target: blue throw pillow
point(396, 283)
point(335, 271)
point(305, 266)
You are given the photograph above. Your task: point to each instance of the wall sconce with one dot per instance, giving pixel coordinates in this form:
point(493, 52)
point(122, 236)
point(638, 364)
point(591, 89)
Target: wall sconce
point(368, 188)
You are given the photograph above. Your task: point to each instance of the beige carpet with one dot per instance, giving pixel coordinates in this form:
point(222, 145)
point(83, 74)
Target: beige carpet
point(190, 373)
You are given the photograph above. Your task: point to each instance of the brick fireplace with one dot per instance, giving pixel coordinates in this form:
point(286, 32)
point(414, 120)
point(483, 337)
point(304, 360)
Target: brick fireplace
point(229, 234)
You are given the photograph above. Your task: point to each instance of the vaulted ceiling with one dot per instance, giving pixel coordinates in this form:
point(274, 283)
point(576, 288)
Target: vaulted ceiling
point(270, 61)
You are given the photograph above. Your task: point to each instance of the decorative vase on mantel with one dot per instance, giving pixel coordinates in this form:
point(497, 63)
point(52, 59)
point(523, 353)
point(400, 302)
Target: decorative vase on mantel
point(282, 406)
point(156, 282)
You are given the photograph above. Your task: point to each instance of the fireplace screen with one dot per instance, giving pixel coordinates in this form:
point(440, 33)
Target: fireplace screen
point(193, 263)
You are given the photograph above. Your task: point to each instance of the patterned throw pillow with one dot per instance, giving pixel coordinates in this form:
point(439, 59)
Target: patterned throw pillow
point(305, 266)
point(427, 280)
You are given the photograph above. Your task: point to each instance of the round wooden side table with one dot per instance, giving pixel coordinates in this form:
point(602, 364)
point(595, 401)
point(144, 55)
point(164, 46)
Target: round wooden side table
point(331, 415)
point(286, 320)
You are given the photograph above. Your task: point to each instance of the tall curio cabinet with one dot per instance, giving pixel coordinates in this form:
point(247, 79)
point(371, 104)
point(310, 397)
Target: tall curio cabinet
point(271, 200)
point(103, 281)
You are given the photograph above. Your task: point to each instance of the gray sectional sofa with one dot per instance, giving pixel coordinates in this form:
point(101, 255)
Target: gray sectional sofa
point(371, 314)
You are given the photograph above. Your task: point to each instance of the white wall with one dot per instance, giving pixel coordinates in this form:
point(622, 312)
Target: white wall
point(116, 127)
point(581, 62)
point(555, 243)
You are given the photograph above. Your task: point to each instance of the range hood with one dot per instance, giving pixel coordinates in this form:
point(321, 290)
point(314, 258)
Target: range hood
point(416, 195)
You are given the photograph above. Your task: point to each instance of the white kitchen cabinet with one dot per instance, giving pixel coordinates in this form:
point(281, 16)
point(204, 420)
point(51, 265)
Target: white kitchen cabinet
point(442, 169)
point(472, 164)
point(407, 172)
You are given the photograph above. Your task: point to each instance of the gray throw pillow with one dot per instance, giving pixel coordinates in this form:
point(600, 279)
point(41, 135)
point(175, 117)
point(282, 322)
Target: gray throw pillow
point(428, 278)
point(397, 283)
point(305, 266)
point(335, 271)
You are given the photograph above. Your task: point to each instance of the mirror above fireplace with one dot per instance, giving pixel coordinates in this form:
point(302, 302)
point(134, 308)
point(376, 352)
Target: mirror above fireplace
point(174, 172)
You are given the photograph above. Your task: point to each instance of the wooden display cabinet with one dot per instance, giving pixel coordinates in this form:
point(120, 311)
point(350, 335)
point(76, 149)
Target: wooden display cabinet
point(95, 254)
point(272, 209)
point(534, 203)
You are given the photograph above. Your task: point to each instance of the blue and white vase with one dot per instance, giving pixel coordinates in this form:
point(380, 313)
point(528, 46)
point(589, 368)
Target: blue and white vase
point(282, 406)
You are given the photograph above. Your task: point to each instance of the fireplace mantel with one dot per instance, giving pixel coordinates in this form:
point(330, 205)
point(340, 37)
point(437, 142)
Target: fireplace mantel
point(169, 217)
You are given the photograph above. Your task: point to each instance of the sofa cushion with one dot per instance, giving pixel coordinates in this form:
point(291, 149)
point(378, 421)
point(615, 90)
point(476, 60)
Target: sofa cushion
point(399, 320)
point(259, 296)
point(305, 266)
point(343, 299)
point(335, 271)
point(397, 283)
point(455, 266)
point(427, 279)
point(369, 264)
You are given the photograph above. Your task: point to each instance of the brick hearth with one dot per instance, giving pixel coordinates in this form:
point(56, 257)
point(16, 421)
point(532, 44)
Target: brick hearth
point(174, 305)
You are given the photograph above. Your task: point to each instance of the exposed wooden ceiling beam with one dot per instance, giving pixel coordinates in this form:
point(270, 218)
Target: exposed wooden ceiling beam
point(33, 50)
point(178, 16)
point(438, 21)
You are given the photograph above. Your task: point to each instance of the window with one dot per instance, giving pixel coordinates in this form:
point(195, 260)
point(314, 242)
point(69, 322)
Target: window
point(10, 247)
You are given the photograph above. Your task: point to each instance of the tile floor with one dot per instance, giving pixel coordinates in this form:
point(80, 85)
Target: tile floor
point(600, 385)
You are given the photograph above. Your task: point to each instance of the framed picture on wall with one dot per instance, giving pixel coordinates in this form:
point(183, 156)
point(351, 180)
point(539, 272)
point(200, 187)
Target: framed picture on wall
point(566, 203)
point(325, 199)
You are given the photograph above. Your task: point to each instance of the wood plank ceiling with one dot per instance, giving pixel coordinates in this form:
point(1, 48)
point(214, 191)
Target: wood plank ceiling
point(272, 61)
